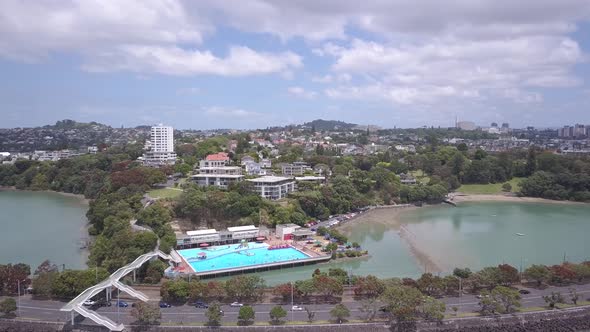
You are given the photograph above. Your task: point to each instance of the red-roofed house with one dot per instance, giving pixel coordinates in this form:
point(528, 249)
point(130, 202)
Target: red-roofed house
point(215, 160)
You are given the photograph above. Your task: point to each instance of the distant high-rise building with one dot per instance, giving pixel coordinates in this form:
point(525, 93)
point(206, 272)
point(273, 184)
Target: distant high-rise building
point(505, 125)
point(160, 150)
point(494, 125)
point(579, 130)
point(566, 132)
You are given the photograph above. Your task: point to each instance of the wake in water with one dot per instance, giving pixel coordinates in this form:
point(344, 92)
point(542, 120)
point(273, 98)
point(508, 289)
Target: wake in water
point(424, 260)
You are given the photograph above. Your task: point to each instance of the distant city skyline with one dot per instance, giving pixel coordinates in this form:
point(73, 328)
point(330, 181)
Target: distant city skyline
point(212, 64)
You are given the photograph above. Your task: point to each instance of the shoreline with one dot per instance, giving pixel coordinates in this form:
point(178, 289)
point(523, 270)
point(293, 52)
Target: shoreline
point(84, 200)
point(460, 198)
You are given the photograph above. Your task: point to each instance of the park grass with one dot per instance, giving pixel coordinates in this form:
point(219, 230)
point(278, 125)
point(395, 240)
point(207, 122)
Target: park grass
point(489, 189)
point(164, 193)
point(420, 176)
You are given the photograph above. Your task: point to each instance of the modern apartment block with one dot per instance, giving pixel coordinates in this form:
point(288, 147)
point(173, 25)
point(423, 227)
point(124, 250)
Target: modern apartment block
point(295, 169)
point(273, 187)
point(576, 131)
point(220, 176)
point(160, 149)
point(214, 171)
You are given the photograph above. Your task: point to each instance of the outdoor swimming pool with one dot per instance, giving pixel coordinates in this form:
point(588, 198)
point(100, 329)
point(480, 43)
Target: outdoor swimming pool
point(237, 255)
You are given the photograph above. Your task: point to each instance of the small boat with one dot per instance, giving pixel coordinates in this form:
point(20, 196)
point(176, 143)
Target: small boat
point(519, 234)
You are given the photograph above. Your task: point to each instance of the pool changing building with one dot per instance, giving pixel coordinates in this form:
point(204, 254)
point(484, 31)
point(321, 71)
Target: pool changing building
point(214, 237)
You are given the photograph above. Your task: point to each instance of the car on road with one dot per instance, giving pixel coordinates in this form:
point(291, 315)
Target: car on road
point(524, 291)
point(102, 303)
point(122, 304)
point(202, 305)
point(164, 305)
point(89, 303)
point(236, 304)
point(296, 308)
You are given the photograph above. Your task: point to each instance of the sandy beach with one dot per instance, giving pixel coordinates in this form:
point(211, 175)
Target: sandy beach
point(459, 198)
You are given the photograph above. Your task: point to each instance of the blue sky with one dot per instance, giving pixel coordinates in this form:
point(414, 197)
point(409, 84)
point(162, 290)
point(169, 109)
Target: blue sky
point(219, 64)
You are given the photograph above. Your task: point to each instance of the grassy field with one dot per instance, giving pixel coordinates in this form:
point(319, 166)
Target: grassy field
point(164, 193)
point(420, 176)
point(488, 189)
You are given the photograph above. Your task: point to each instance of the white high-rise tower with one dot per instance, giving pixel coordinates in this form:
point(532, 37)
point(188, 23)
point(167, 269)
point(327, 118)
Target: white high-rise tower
point(160, 151)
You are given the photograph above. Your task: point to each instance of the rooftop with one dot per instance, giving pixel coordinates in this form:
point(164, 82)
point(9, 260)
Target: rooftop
point(221, 156)
point(201, 232)
point(242, 228)
point(270, 179)
point(309, 178)
point(288, 225)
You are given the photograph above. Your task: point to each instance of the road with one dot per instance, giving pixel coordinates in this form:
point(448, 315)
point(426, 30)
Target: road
point(49, 310)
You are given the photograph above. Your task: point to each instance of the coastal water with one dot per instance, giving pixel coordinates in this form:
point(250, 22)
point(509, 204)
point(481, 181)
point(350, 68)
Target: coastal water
point(40, 225)
point(471, 235)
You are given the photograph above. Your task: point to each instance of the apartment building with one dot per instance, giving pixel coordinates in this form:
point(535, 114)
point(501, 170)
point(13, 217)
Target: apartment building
point(273, 187)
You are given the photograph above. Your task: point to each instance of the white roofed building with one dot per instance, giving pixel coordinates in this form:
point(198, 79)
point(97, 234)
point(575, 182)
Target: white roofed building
point(273, 187)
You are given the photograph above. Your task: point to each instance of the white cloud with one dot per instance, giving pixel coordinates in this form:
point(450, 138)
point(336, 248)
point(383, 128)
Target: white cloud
point(441, 68)
point(224, 112)
point(300, 92)
point(240, 61)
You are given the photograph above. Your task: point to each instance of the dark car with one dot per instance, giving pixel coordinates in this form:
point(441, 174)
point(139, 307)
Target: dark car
point(164, 305)
point(102, 303)
point(122, 304)
point(200, 304)
point(524, 291)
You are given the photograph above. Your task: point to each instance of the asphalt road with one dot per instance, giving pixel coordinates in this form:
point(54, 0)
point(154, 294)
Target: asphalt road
point(49, 310)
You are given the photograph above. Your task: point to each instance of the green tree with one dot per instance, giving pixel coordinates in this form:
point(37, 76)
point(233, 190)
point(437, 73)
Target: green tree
point(401, 302)
point(214, 314)
point(175, 291)
point(507, 187)
point(340, 312)
point(462, 273)
point(553, 299)
point(276, 314)
point(246, 315)
point(537, 273)
point(8, 306)
point(145, 313)
point(574, 296)
point(507, 297)
point(432, 309)
point(310, 315)
point(244, 287)
point(370, 308)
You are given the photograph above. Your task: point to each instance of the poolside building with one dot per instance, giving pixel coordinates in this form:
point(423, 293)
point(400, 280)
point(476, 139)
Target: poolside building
point(273, 187)
point(244, 232)
point(285, 231)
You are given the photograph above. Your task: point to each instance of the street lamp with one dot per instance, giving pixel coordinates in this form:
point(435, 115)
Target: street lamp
point(18, 286)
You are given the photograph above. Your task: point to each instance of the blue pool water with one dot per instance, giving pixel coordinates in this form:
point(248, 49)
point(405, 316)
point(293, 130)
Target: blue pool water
point(236, 255)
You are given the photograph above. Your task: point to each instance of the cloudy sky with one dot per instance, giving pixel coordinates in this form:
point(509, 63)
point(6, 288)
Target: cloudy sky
point(256, 63)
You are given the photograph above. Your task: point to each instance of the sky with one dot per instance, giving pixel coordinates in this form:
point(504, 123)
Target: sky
point(252, 64)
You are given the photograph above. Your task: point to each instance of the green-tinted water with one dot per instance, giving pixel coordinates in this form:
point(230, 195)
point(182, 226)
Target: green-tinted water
point(38, 226)
point(471, 235)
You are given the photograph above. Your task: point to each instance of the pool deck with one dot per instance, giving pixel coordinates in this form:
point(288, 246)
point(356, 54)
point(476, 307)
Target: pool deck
point(313, 257)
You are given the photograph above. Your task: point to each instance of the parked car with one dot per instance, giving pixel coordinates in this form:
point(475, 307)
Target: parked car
point(200, 304)
point(296, 308)
point(89, 303)
point(164, 305)
point(524, 291)
point(122, 304)
point(102, 303)
point(236, 304)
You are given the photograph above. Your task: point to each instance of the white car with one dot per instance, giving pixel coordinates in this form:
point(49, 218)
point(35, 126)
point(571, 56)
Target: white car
point(89, 303)
point(296, 308)
point(236, 304)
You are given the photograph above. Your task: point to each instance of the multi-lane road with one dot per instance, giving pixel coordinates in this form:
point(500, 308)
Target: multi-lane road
point(49, 310)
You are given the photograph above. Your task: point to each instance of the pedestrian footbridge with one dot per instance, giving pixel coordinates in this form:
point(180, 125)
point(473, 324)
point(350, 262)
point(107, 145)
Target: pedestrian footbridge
point(113, 281)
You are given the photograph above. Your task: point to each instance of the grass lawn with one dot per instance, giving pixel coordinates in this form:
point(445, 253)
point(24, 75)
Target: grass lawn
point(164, 193)
point(488, 189)
point(420, 176)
